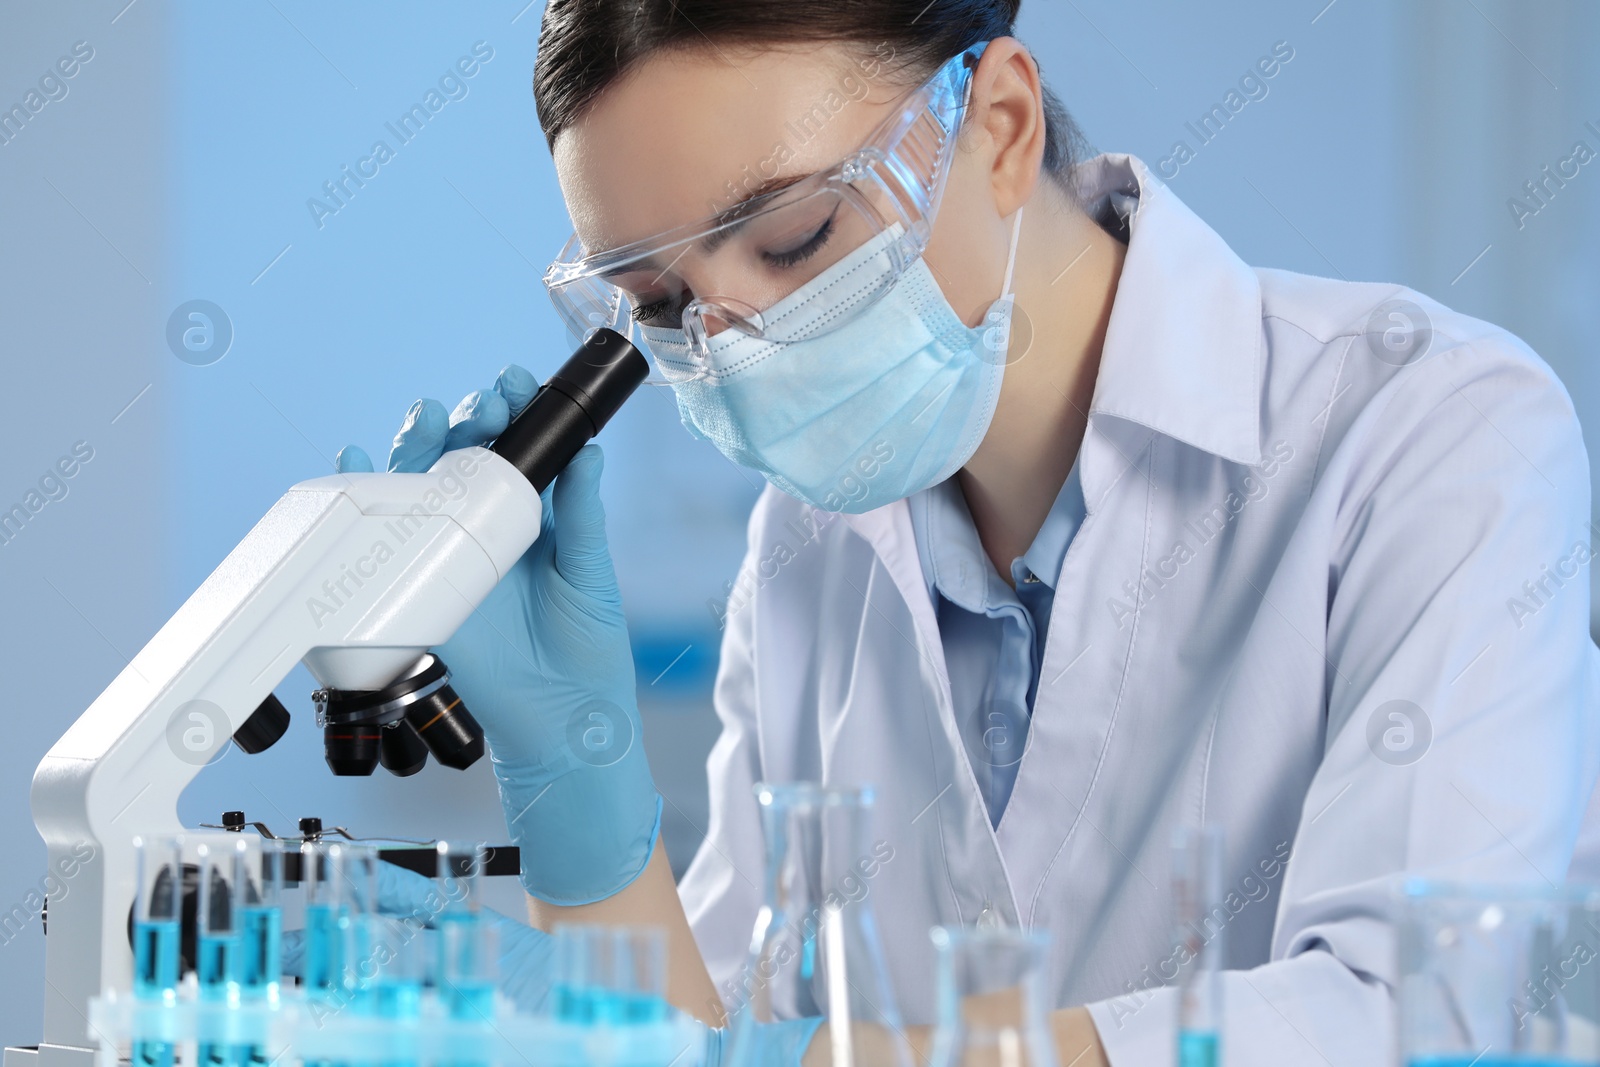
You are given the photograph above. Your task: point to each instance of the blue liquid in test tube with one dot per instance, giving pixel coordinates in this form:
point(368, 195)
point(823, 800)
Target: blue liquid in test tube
point(324, 965)
point(1197, 863)
point(466, 971)
point(261, 935)
point(399, 999)
point(261, 951)
point(216, 970)
point(1197, 1049)
point(155, 977)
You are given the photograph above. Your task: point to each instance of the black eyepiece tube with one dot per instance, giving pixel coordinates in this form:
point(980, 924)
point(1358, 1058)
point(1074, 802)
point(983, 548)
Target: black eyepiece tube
point(572, 406)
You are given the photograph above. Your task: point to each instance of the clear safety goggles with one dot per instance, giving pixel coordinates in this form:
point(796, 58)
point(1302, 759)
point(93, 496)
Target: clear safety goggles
point(735, 269)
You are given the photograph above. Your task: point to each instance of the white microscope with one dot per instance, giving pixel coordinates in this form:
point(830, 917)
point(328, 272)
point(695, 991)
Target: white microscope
point(357, 576)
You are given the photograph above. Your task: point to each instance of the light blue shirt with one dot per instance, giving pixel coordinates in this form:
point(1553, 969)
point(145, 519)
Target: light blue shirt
point(993, 631)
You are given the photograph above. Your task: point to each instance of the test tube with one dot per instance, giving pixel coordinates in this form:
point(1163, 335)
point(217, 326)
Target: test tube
point(261, 927)
point(397, 994)
point(340, 888)
point(327, 916)
point(460, 865)
point(224, 871)
point(340, 965)
point(1199, 925)
point(610, 975)
point(364, 931)
point(466, 970)
point(158, 907)
point(466, 974)
point(404, 970)
point(261, 959)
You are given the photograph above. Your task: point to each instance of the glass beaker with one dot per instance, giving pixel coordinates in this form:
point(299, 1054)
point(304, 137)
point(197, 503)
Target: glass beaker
point(1199, 925)
point(815, 950)
point(1498, 975)
point(992, 1000)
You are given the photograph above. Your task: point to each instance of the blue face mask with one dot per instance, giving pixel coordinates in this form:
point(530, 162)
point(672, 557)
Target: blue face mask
point(852, 418)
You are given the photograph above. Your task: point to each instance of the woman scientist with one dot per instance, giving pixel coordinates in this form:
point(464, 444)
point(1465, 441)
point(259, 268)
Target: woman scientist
point(1078, 530)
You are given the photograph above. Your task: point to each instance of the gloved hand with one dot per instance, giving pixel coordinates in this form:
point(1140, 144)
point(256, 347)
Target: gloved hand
point(545, 667)
point(526, 955)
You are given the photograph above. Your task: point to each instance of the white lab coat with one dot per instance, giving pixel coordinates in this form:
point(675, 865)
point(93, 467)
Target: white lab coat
point(1354, 532)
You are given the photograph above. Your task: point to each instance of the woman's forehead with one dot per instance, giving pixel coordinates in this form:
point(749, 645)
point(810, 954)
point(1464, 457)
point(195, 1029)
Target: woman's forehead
point(689, 134)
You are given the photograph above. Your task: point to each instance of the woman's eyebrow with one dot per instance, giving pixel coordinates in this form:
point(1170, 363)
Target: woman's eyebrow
point(728, 221)
point(725, 223)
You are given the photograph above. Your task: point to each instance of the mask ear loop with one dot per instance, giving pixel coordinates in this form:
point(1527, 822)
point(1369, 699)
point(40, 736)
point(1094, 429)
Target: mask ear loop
point(997, 338)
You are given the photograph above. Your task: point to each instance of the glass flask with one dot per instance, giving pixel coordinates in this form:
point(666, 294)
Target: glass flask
point(815, 950)
point(1199, 924)
point(993, 1005)
point(1498, 975)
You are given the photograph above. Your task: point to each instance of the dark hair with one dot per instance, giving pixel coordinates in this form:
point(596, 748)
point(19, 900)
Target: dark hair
point(586, 45)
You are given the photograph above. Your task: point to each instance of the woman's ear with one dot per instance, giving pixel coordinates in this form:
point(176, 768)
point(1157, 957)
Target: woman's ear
point(1006, 114)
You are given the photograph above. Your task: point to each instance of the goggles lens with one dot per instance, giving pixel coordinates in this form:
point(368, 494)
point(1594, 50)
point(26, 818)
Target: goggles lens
point(736, 270)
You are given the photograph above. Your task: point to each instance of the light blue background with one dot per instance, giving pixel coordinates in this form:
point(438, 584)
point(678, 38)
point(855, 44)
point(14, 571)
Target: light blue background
point(179, 165)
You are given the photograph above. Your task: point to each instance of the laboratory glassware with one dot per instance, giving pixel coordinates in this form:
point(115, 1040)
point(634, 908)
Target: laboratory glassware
point(1495, 975)
point(219, 942)
point(815, 950)
point(158, 911)
point(611, 975)
point(993, 1005)
point(1199, 931)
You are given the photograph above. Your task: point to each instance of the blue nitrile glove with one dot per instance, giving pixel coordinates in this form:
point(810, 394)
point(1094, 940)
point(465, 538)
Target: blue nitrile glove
point(545, 666)
point(526, 956)
point(779, 1044)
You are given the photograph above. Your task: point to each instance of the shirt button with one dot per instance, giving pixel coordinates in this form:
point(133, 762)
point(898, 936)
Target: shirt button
point(1030, 578)
point(989, 919)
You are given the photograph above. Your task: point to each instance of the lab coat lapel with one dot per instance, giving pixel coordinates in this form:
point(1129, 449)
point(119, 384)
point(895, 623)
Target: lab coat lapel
point(1083, 676)
point(888, 531)
point(1181, 365)
point(974, 864)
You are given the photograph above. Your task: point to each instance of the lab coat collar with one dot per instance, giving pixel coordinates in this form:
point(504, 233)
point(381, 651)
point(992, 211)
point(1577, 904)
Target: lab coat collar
point(1183, 353)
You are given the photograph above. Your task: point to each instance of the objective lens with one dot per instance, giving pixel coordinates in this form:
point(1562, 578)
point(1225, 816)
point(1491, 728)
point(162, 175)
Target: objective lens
point(399, 725)
point(351, 749)
point(401, 751)
point(447, 728)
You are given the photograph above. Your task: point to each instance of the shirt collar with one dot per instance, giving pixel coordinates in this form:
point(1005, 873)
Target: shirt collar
point(953, 560)
point(1183, 352)
point(952, 557)
point(1044, 557)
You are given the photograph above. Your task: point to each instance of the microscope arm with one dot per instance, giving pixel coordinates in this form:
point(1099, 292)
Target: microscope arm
point(357, 576)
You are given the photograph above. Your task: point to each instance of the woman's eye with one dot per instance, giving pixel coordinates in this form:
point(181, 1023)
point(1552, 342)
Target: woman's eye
point(663, 312)
point(807, 248)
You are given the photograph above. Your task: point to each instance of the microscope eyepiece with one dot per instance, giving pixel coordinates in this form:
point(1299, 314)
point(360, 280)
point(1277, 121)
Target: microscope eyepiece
point(572, 406)
point(398, 726)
